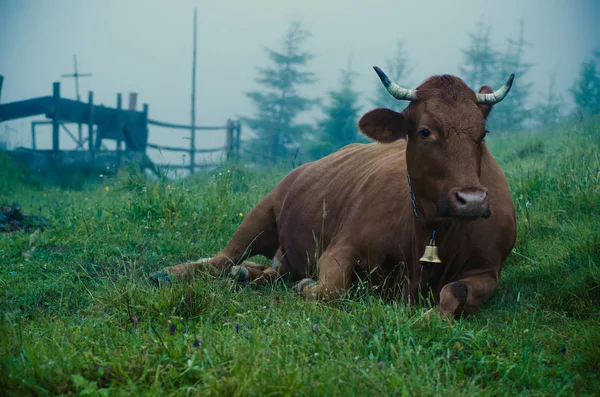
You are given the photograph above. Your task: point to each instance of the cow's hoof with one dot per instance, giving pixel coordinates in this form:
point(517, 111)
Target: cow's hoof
point(239, 274)
point(161, 277)
point(303, 284)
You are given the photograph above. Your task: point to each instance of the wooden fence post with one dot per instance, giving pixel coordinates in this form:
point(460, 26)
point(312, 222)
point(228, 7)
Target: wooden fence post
point(147, 161)
point(193, 112)
point(119, 129)
point(1, 82)
point(132, 101)
point(229, 138)
point(90, 126)
point(33, 135)
point(238, 134)
point(192, 147)
point(56, 117)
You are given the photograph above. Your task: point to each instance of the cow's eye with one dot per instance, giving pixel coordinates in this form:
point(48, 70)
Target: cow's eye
point(424, 132)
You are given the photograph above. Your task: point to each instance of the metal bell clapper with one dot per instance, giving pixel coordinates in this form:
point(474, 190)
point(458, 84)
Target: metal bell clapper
point(431, 251)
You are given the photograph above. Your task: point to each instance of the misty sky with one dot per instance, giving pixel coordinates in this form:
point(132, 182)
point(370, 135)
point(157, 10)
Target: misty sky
point(144, 46)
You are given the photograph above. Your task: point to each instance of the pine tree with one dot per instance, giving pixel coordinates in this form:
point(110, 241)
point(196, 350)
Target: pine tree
point(339, 127)
point(548, 112)
point(397, 70)
point(279, 103)
point(586, 89)
point(512, 113)
point(480, 59)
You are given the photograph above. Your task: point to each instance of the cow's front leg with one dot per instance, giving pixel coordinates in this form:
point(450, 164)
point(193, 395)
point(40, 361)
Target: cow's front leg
point(466, 295)
point(336, 267)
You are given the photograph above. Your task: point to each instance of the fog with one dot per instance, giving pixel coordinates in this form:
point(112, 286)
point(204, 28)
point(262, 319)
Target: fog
point(145, 46)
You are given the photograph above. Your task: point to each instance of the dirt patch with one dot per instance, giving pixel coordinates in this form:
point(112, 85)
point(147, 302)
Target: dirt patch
point(12, 219)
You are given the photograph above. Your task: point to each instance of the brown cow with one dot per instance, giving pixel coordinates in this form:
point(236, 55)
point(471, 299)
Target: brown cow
point(371, 209)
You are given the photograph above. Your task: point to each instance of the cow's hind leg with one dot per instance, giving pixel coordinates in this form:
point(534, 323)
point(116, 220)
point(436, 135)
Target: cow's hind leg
point(257, 235)
point(335, 267)
point(261, 274)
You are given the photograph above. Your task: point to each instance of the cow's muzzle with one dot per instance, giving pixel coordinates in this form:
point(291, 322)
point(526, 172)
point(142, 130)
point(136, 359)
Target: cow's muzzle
point(471, 202)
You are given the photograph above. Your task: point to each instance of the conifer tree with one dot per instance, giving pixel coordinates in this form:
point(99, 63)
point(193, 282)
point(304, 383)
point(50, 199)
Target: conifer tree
point(479, 59)
point(547, 113)
point(513, 113)
point(279, 103)
point(339, 127)
point(586, 89)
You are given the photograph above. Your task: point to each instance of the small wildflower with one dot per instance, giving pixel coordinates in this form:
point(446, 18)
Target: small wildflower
point(381, 364)
point(135, 319)
point(101, 175)
point(237, 328)
point(172, 328)
point(241, 214)
point(106, 188)
point(196, 343)
point(168, 187)
point(563, 349)
point(315, 327)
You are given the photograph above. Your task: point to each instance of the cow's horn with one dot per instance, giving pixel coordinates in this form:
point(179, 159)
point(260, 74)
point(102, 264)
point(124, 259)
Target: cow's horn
point(394, 89)
point(498, 95)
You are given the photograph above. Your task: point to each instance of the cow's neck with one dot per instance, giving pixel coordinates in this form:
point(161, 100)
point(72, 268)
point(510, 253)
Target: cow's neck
point(418, 210)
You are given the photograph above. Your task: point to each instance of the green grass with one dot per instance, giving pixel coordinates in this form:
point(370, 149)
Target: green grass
point(79, 314)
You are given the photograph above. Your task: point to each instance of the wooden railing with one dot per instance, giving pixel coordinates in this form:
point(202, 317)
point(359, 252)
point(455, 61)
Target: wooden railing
point(231, 149)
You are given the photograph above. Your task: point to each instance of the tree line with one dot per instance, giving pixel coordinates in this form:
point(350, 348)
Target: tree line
point(278, 103)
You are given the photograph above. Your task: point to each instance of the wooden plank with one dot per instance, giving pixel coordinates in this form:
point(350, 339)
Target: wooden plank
point(132, 101)
point(129, 141)
point(1, 83)
point(78, 112)
point(26, 108)
point(70, 134)
point(55, 116)
point(179, 149)
point(186, 167)
point(143, 134)
point(185, 127)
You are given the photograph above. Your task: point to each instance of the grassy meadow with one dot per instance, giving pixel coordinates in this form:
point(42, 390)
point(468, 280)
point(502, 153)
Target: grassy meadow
point(79, 315)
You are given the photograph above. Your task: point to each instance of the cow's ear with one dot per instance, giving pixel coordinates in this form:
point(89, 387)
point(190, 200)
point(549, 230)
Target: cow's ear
point(485, 108)
point(383, 125)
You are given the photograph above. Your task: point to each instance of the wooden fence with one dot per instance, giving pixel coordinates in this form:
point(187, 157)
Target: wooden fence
point(123, 126)
point(231, 148)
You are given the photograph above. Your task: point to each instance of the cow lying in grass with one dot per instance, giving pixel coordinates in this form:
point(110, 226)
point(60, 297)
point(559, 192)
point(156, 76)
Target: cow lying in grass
point(429, 181)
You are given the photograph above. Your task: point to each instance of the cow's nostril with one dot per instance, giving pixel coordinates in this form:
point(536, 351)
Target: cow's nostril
point(460, 199)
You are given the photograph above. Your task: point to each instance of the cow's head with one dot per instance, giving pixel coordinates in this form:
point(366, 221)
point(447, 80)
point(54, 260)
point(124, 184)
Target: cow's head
point(445, 128)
